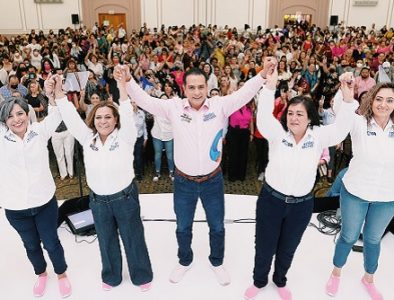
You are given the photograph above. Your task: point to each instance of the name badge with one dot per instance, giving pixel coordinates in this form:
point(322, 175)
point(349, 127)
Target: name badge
point(186, 118)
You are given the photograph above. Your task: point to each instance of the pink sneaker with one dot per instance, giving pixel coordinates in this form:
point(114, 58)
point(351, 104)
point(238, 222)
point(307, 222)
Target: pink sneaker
point(40, 285)
point(106, 287)
point(285, 293)
point(372, 290)
point(64, 287)
point(251, 292)
point(146, 287)
point(333, 285)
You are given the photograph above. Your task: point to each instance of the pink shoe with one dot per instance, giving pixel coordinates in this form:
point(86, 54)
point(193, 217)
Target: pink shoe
point(285, 293)
point(146, 287)
point(106, 287)
point(251, 292)
point(333, 285)
point(372, 290)
point(64, 287)
point(39, 287)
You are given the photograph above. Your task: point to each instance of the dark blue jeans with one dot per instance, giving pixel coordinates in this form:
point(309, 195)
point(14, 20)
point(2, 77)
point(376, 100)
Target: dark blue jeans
point(279, 228)
point(119, 214)
point(138, 158)
point(186, 194)
point(36, 225)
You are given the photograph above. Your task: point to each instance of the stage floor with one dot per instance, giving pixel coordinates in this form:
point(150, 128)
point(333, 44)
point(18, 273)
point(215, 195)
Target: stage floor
point(306, 279)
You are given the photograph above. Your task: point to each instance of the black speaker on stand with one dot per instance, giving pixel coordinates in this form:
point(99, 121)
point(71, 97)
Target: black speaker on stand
point(75, 19)
point(334, 21)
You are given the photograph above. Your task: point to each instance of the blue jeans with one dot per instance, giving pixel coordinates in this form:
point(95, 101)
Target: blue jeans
point(375, 216)
point(138, 158)
point(279, 229)
point(186, 194)
point(169, 146)
point(36, 225)
point(119, 214)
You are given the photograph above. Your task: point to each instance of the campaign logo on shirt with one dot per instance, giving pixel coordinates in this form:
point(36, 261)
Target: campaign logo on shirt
point(371, 133)
point(391, 134)
point(32, 134)
point(287, 143)
point(114, 146)
point(186, 118)
point(9, 139)
point(209, 116)
point(308, 144)
point(93, 147)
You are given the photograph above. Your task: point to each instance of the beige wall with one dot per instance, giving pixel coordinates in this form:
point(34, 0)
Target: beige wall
point(132, 9)
point(319, 9)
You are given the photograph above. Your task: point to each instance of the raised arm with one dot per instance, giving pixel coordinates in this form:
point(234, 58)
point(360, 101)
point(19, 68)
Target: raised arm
point(335, 133)
point(127, 131)
point(52, 121)
point(266, 123)
point(236, 100)
point(70, 116)
point(157, 107)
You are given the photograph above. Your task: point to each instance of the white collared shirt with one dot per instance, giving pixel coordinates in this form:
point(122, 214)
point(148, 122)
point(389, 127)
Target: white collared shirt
point(292, 167)
point(197, 133)
point(371, 171)
point(25, 177)
point(109, 167)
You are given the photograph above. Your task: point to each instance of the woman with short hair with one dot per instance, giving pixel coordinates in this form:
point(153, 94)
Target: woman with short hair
point(27, 189)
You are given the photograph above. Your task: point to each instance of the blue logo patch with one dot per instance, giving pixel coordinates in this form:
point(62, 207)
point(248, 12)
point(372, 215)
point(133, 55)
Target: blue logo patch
point(391, 134)
point(209, 116)
point(30, 136)
point(308, 144)
point(93, 147)
point(286, 143)
point(114, 146)
point(214, 153)
point(371, 133)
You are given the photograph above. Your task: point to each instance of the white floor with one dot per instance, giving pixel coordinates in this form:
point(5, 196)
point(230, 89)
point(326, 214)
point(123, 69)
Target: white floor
point(306, 278)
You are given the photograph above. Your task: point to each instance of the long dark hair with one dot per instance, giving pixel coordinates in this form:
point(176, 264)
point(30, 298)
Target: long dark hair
point(310, 108)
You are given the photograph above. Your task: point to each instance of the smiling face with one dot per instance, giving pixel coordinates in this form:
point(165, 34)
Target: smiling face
point(18, 121)
point(104, 122)
point(383, 104)
point(297, 120)
point(196, 90)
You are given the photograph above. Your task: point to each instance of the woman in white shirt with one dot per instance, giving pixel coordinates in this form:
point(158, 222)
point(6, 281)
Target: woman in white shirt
point(27, 189)
point(284, 207)
point(368, 193)
point(163, 138)
point(108, 139)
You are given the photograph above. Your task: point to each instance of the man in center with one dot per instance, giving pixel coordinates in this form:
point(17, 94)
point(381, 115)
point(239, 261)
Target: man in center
point(197, 123)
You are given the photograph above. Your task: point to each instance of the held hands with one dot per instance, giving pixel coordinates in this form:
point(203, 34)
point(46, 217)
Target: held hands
point(347, 86)
point(269, 66)
point(53, 88)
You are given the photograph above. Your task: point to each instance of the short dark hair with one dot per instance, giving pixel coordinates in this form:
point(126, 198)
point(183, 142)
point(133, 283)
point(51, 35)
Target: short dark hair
point(310, 108)
point(7, 105)
point(194, 71)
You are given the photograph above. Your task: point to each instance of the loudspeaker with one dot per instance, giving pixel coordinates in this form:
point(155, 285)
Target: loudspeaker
point(75, 19)
point(333, 20)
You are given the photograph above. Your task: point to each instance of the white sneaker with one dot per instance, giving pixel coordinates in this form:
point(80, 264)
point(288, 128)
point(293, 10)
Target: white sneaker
point(221, 275)
point(261, 176)
point(178, 273)
point(156, 177)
